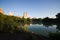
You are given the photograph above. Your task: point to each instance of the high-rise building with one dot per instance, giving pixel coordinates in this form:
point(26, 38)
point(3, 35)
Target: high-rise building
point(1, 11)
point(25, 15)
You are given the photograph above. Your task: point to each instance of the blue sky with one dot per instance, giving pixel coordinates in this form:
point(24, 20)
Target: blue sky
point(35, 8)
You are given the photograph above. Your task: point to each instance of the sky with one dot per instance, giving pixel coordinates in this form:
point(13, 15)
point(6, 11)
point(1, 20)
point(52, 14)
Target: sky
point(34, 8)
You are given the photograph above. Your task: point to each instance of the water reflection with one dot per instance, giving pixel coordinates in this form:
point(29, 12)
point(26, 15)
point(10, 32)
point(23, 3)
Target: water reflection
point(42, 29)
point(58, 27)
point(25, 27)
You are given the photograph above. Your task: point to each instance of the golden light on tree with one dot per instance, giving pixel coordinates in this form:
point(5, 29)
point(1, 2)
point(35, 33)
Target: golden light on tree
point(1, 10)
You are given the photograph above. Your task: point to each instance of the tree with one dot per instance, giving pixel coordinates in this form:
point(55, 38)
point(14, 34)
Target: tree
point(58, 18)
point(2, 19)
point(58, 15)
point(9, 23)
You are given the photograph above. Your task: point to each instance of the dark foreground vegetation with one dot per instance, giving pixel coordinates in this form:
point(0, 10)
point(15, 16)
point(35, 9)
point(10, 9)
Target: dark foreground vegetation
point(11, 28)
point(21, 36)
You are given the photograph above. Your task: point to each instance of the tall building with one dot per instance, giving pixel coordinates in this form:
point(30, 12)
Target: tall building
point(25, 15)
point(1, 11)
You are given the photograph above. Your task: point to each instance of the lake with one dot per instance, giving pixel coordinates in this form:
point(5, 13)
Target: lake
point(40, 29)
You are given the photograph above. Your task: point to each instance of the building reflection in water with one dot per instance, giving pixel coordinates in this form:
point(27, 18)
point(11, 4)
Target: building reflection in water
point(25, 27)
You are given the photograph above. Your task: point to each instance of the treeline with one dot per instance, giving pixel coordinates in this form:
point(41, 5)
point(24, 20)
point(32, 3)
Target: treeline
point(8, 23)
point(52, 21)
point(12, 23)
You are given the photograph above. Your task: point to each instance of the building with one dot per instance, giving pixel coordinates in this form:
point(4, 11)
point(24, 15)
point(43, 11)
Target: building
point(1, 11)
point(25, 15)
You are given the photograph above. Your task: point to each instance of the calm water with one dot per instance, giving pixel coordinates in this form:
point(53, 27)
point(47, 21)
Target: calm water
point(41, 29)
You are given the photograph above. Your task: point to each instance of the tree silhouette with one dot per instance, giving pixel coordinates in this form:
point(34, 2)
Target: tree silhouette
point(58, 15)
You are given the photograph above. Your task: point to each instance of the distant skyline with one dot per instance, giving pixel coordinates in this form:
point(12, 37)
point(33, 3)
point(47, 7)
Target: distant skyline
point(34, 8)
